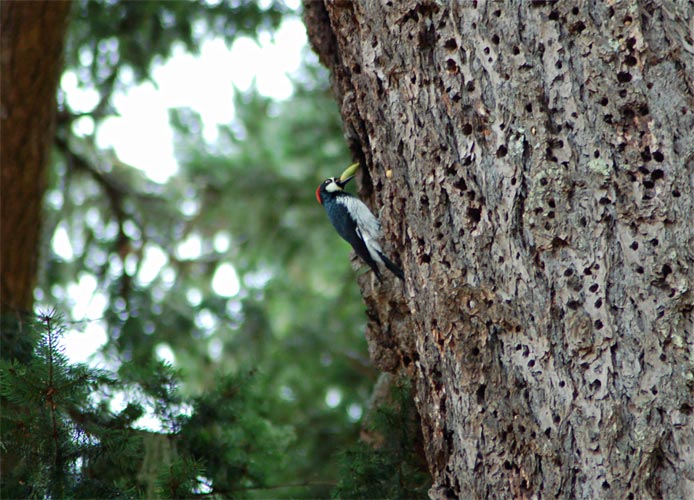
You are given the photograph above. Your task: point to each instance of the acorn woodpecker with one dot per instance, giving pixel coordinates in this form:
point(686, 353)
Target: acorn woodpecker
point(354, 222)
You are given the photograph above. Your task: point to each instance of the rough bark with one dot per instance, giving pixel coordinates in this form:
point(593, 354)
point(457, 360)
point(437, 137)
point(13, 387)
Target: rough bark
point(31, 54)
point(533, 165)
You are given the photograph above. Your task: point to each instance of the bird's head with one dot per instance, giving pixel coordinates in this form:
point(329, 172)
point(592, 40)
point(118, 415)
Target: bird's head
point(334, 185)
point(329, 187)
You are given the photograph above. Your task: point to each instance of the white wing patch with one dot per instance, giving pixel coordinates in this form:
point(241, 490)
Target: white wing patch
point(368, 226)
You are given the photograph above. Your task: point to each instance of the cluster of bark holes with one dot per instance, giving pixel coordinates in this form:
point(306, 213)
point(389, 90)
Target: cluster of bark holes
point(579, 26)
point(521, 429)
point(665, 270)
point(630, 60)
point(551, 146)
point(575, 304)
point(425, 258)
point(550, 203)
point(623, 76)
point(473, 213)
point(648, 177)
point(575, 27)
point(489, 59)
point(628, 111)
point(525, 354)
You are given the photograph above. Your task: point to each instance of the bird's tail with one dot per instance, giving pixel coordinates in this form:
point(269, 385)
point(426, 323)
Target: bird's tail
point(393, 267)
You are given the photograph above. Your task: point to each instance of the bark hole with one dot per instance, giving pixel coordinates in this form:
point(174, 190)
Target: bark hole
point(474, 214)
point(577, 27)
point(452, 67)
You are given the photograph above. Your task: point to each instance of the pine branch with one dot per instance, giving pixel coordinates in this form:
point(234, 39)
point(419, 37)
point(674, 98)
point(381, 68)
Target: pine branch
point(50, 391)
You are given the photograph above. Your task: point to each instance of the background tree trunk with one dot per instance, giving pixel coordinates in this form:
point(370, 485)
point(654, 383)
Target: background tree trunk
point(533, 165)
point(31, 52)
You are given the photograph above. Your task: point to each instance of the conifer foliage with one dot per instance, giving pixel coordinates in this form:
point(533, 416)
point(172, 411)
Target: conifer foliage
point(41, 398)
point(62, 439)
point(65, 441)
point(390, 463)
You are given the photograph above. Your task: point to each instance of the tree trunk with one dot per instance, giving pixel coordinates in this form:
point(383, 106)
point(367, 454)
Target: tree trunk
point(533, 165)
point(31, 53)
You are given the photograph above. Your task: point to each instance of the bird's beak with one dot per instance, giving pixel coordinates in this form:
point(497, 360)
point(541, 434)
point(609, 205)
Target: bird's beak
point(348, 174)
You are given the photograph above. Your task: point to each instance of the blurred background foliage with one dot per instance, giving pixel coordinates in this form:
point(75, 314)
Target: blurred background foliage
point(256, 392)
